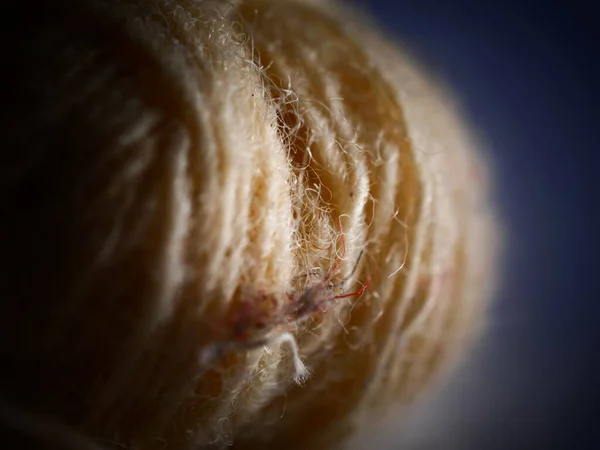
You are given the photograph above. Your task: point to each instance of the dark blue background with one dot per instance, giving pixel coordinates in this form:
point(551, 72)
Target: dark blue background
point(527, 76)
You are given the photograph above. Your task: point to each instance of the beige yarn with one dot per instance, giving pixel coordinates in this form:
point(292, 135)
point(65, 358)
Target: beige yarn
point(186, 164)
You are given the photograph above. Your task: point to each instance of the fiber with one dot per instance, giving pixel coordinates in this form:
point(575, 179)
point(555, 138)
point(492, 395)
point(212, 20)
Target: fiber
point(251, 223)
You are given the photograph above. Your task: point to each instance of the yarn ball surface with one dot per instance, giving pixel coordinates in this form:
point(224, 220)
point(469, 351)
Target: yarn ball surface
point(252, 223)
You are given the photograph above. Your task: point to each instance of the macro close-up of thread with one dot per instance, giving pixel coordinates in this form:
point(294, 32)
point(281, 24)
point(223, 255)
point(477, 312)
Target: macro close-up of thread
point(246, 224)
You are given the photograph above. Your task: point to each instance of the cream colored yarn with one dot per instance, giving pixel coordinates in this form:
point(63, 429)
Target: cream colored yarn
point(193, 159)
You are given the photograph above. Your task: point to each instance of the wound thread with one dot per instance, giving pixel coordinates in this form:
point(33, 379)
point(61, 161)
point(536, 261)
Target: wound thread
point(224, 198)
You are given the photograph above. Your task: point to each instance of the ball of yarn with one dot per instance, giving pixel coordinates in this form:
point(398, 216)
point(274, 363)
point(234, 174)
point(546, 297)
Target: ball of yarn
point(255, 223)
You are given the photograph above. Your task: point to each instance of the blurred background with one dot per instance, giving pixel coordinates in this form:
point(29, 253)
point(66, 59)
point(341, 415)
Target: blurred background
point(527, 76)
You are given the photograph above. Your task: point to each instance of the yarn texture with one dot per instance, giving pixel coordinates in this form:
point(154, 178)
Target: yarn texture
point(255, 223)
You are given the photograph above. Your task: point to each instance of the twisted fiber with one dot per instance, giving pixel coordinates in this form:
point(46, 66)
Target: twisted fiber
point(201, 182)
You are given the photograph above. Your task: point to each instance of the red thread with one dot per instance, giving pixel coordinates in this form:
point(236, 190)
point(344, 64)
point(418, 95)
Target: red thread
point(359, 292)
point(253, 318)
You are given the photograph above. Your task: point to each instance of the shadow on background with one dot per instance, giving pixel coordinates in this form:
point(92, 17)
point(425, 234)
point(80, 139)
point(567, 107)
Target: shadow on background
point(527, 77)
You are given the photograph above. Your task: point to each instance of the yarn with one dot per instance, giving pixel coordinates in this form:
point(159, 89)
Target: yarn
point(255, 223)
